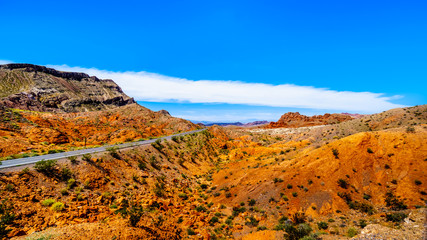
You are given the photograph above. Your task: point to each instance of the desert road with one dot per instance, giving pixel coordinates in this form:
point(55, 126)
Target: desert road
point(31, 160)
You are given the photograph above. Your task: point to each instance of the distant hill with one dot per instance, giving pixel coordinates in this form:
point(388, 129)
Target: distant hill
point(38, 88)
point(249, 124)
point(295, 119)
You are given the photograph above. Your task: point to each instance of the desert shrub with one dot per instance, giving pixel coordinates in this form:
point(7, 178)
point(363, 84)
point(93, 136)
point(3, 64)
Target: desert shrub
point(295, 194)
point(289, 186)
point(251, 221)
point(87, 157)
point(362, 223)
point(48, 202)
point(252, 202)
point(335, 152)
point(393, 202)
point(113, 152)
point(261, 228)
point(369, 150)
point(351, 232)
point(135, 213)
point(417, 182)
point(190, 231)
point(73, 159)
point(158, 145)
point(57, 206)
point(228, 195)
point(45, 166)
point(183, 196)
point(298, 217)
point(213, 220)
point(410, 129)
point(366, 196)
point(154, 163)
point(201, 208)
point(343, 183)
point(396, 217)
point(297, 232)
point(322, 225)
point(361, 206)
point(276, 180)
point(159, 189)
point(65, 173)
point(71, 183)
point(6, 218)
point(142, 165)
point(10, 187)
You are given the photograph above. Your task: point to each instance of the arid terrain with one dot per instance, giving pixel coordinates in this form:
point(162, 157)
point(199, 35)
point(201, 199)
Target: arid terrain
point(322, 177)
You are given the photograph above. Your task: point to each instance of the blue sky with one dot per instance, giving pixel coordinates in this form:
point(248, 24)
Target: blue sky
point(365, 56)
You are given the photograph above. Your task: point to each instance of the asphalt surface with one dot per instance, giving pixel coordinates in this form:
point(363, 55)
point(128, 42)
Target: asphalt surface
point(32, 160)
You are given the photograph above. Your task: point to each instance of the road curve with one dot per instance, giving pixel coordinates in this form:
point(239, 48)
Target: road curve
point(31, 160)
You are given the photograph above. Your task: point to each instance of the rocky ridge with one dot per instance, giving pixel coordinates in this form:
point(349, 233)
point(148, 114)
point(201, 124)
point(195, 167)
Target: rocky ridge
point(38, 88)
point(295, 119)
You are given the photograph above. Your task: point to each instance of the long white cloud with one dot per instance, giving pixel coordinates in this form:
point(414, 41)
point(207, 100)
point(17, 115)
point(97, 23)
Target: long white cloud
point(146, 86)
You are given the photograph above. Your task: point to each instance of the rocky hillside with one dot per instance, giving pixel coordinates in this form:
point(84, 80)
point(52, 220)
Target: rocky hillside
point(27, 133)
point(295, 119)
point(38, 88)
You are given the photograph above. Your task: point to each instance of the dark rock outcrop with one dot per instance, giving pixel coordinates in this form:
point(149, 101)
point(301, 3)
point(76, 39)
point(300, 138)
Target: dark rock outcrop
point(38, 88)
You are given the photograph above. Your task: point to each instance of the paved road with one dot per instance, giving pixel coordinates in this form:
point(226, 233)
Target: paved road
point(31, 160)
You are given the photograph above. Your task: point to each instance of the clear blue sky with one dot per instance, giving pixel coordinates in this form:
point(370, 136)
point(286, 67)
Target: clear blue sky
point(357, 46)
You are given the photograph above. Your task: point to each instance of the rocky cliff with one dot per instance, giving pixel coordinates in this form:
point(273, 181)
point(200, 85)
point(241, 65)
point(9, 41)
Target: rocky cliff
point(38, 88)
point(295, 119)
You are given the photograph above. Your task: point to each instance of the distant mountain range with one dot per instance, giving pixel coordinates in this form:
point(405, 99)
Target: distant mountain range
point(249, 124)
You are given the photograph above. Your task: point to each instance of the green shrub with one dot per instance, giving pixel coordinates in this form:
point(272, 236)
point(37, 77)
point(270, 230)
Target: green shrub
point(299, 217)
point(142, 165)
point(57, 206)
point(183, 196)
point(335, 152)
point(276, 180)
point(252, 221)
point(362, 223)
point(261, 228)
point(71, 183)
point(45, 166)
point(113, 152)
point(252, 202)
point(10, 187)
point(87, 157)
point(343, 183)
point(393, 202)
point(48, 202)
point(322, 225)
point(396, 217)
point(73, 159)
point(213, 220)
point(201, 208)
point(66, 173)
point(298, 232)
point(289, 186)
point(295, 194)
point(190, 231)
point(351, 232)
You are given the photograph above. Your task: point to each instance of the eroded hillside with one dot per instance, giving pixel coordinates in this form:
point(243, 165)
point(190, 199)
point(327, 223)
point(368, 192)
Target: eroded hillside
point(359, 178)
point(29, 133)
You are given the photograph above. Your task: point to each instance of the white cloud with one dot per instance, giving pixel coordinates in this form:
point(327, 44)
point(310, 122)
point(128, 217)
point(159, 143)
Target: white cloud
point(145, 86)
point(4, 62)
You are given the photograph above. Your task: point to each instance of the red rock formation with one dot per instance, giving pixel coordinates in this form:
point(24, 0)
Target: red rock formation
point(295, 119)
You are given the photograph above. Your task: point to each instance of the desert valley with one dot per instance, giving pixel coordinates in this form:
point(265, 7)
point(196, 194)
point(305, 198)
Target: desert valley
point(331, 176)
